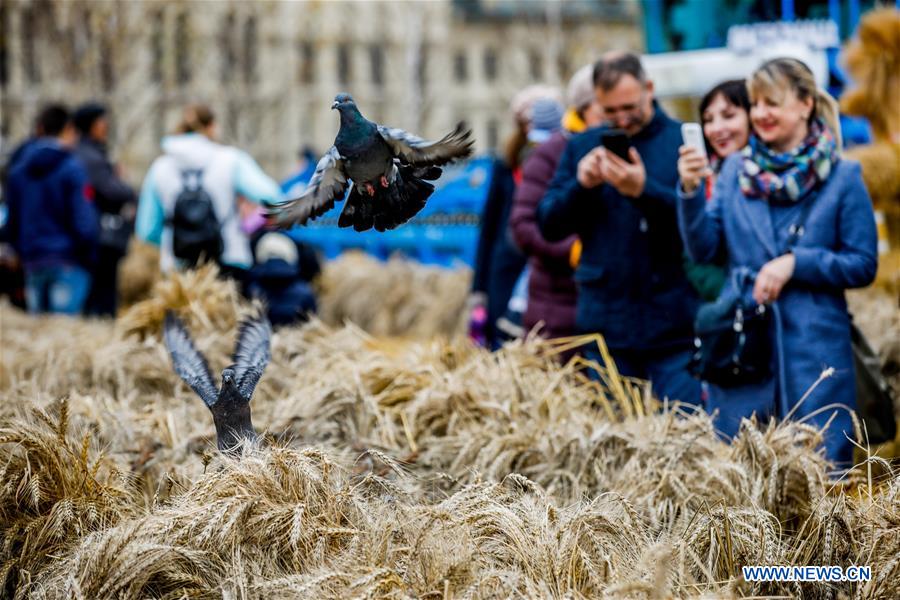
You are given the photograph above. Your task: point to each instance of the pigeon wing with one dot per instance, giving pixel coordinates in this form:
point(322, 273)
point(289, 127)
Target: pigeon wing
point(187, 361)
point(415, 151)
point(328, 184)
point(251, 354)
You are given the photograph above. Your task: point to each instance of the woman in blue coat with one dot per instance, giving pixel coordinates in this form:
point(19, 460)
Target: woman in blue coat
point(791, 169)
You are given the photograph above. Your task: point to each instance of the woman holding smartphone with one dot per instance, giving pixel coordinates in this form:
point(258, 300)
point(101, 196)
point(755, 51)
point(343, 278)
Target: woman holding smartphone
point(725, 119)
point(796, 219)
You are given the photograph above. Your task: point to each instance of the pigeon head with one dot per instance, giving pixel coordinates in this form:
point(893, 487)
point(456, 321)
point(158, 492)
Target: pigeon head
point(350, 115)
point(228, 377)
point(343, 102)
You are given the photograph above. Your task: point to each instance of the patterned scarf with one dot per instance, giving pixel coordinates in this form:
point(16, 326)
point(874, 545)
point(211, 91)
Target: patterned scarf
point(788, 177)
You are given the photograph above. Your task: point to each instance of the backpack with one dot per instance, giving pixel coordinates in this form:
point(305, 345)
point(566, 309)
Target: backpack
point(196, 231)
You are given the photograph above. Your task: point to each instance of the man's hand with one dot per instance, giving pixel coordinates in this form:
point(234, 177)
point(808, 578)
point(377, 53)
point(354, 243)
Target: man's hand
point(772, 278)
point(628, 178)
point(590, 169)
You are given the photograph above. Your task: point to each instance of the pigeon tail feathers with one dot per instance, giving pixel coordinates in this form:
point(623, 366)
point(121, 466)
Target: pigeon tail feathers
point(391, 206)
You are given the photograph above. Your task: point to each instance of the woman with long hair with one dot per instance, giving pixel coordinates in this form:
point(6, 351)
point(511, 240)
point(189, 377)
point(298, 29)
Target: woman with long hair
point(797, 226)
point(552, 293)
point(499, 261)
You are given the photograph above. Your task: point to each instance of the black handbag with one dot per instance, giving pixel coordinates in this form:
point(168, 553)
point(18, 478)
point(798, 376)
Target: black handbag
point(874, 401)
point(733, 344)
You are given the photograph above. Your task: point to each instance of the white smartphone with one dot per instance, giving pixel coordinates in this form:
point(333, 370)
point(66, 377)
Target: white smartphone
point(692, 134)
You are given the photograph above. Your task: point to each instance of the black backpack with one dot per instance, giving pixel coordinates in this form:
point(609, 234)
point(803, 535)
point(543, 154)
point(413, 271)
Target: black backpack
point(196, 232)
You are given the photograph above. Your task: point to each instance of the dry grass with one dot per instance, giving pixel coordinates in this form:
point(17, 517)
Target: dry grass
point(412, 300)
point(394, 298)
point(394, 469)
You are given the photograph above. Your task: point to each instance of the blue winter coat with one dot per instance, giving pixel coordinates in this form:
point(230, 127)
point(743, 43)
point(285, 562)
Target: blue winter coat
point(811, 331)
point(631, 282)
point(52, 218)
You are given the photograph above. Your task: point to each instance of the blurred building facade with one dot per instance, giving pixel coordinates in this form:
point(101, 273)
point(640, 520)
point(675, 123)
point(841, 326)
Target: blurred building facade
point(271, 69)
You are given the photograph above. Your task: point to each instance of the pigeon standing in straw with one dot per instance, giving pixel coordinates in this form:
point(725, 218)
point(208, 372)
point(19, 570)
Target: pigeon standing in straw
point(230, 404)
point(390, 170)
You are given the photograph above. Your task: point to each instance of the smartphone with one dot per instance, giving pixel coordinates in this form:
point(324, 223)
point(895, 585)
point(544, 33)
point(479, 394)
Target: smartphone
point(617, 142)
point(692, 134)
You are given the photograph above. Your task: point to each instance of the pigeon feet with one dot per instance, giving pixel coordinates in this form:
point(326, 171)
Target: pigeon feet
point(370, 189)
point(384, 182)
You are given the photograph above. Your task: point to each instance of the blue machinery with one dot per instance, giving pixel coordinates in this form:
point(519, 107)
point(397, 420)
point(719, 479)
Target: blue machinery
point(695, 24)
point(444, 233)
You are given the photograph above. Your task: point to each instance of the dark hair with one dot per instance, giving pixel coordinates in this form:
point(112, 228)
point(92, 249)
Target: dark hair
point(53, 119)
point(610, 69)
point(734, 91)
point(86, 115)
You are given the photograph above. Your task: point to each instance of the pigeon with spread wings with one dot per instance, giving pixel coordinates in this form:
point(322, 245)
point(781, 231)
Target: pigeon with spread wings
point(230, 404)
point(387, 170)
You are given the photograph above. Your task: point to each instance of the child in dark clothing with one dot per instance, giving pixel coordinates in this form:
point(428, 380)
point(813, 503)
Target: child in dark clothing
point(281, 277)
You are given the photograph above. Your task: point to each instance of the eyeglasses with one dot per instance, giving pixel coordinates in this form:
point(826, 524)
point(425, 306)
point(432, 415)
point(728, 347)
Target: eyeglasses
point(627, 109)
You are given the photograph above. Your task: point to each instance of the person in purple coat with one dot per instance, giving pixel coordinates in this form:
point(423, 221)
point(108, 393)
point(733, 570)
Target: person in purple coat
point(552, 294)
point(791, 168)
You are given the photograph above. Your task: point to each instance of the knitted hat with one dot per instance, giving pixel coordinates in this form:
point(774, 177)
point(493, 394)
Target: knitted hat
point(86, 115)
point(546, 117)
point(580, 91)
point(523, 102)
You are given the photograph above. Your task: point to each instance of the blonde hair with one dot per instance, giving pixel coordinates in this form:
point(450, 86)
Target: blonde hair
point(777, 76)
point(195, 118)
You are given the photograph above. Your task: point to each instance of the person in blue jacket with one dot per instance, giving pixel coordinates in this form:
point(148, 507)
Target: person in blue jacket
point(52, 223)
point(631, 282)
point(791, 168)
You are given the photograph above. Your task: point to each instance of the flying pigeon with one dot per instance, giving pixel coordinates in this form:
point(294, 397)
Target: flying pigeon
point(390, 170)
point(229, 405)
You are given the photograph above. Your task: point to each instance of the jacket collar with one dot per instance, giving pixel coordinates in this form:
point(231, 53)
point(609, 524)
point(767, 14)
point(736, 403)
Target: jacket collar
point(659, 120)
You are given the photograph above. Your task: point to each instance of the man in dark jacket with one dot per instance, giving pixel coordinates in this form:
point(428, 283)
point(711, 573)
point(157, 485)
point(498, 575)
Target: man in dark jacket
point(632, 286)
point(115, 200)
point(52, 223)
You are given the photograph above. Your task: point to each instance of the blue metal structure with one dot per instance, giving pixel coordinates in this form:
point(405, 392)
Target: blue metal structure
point(696, 24)
point(444, 233)
point(672, 25)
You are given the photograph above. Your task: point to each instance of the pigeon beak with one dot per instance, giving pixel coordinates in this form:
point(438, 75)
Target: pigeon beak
point(334, 105)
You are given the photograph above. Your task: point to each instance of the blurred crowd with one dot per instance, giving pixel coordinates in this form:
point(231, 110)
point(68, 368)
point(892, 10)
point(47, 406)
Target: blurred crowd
point(70, 215)
point(714, 263)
